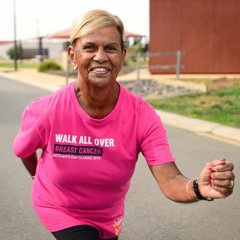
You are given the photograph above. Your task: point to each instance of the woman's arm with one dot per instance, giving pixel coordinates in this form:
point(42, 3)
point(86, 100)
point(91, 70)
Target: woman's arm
point(30, 164)
point(215, 181)
point(172, 183)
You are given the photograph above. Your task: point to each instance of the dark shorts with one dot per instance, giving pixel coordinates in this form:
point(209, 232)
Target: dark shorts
point(81, 232)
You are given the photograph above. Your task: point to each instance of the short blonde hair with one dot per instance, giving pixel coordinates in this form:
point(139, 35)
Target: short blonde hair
point(94, 20)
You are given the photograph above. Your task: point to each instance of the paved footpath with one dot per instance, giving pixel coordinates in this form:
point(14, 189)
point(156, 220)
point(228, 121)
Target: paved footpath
point(52, 83)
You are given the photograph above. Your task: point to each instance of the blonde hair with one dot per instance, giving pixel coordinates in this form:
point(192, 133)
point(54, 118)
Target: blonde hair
point(94, 20)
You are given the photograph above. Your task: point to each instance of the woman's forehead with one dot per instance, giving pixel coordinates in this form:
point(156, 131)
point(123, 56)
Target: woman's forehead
point(108, 34)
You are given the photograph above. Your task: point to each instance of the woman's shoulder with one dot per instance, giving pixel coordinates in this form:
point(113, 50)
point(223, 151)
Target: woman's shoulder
point(44, 106)
point(135, 100)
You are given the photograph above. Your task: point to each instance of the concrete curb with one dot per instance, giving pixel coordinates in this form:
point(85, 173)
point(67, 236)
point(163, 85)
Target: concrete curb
point(41, 80)
point(203, 127)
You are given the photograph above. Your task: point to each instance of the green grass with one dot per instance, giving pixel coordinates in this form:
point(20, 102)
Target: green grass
point(21, 64)
point(220, 106)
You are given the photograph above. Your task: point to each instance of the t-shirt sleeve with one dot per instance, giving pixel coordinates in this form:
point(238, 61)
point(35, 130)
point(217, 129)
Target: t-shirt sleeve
point(28, 139)
point(154, 143)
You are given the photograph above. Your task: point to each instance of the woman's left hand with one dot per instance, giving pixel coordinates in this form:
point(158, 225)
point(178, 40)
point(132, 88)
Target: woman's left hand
point(217, 179)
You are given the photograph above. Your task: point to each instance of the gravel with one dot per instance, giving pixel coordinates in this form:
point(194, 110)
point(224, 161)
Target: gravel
point(154, 89)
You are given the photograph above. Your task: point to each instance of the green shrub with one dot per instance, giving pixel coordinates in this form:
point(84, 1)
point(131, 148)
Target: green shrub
point(49, 66)
point(19, 52)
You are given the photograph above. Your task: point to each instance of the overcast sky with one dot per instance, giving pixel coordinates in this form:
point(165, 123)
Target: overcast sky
point(40, 17)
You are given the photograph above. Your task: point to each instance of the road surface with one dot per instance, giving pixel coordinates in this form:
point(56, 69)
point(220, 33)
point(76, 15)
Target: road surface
point(149, 215)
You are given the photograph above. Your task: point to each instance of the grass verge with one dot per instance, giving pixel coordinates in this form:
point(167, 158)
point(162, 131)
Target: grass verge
point(220, 106)
point(21, 64)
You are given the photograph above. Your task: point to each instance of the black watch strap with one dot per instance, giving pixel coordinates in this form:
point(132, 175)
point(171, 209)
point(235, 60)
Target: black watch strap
point(197, 192)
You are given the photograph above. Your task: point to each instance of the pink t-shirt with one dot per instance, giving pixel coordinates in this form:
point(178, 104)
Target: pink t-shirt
point(86, 164)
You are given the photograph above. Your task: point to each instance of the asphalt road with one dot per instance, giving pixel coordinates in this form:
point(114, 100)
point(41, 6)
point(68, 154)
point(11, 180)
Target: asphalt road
point(149, 215)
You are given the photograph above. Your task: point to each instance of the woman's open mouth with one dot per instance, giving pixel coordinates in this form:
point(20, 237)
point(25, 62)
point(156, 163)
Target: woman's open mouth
point(99, 70)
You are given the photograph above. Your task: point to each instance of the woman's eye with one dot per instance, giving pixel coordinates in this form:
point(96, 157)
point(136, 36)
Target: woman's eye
point(89, 48)
point(111, 48)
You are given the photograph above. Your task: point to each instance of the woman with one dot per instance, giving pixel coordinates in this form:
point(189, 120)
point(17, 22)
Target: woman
point(91, 133)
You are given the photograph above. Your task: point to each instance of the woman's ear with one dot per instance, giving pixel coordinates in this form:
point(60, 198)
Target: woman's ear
point(71, 55)
point(124, 52)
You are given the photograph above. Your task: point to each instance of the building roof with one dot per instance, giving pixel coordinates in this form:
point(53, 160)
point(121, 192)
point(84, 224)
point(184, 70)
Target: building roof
point(67, 32)
point(6, 42)
point(61, 34)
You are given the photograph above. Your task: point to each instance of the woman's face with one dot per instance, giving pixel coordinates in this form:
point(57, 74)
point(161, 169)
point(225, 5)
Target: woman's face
point(98, 56)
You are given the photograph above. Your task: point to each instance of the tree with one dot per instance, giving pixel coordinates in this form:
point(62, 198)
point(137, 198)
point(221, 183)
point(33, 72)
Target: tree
point(19, 54)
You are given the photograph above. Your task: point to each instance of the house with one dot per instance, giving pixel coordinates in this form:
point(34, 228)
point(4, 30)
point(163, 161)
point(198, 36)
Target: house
point(206, 31)
point(50, 48)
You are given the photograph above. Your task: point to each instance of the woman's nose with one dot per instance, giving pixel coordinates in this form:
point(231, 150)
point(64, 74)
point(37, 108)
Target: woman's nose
point(100, 55)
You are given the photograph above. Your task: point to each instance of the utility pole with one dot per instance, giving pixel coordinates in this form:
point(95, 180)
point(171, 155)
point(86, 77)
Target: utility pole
point(15, 36)
point(40, 47)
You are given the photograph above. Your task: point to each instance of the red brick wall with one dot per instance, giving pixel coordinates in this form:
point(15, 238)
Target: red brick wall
point(208, 31)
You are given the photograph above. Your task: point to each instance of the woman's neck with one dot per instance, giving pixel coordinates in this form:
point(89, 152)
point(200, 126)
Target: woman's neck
point(97, 103)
